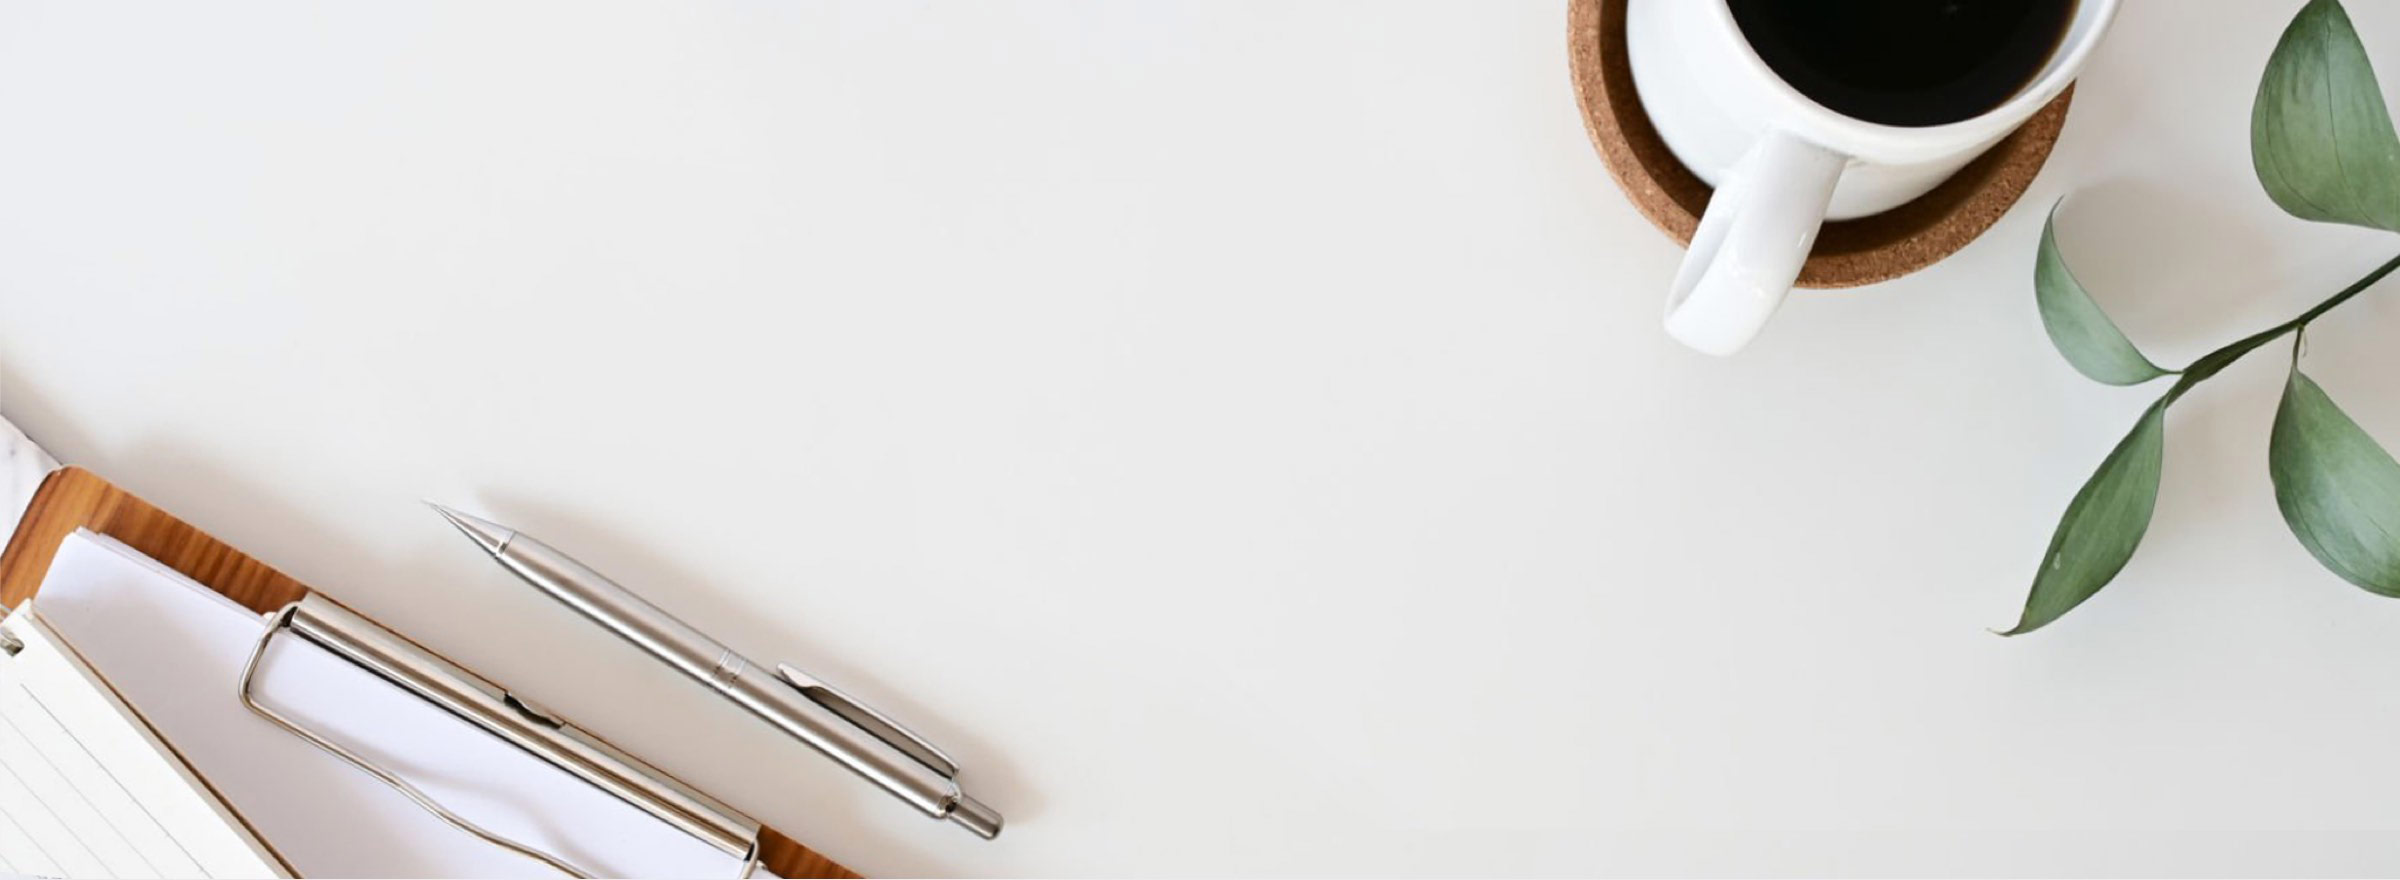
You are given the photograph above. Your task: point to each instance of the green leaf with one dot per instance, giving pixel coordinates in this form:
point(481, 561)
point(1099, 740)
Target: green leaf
point(2320, 136)
point(2102, 525)
point(2082, 332)
point(2339, 491)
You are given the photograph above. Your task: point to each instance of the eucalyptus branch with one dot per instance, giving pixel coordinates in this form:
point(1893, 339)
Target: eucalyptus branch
point(2324, 148)
point(2362, 283)
point(2210, 364)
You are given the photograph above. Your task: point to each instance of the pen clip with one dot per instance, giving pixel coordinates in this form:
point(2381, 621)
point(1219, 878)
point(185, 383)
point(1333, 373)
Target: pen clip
point(866, 718)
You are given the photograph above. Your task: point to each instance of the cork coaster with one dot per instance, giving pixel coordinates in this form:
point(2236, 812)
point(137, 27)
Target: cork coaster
point(1848, 253)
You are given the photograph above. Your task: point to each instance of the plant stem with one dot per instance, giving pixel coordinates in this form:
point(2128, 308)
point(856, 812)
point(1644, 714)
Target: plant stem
point(2214, 362)
point(2347, 292)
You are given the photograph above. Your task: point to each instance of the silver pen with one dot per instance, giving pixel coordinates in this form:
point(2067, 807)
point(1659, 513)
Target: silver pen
point(850, 732)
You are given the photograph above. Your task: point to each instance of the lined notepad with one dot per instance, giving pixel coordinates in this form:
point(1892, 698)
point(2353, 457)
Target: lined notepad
point(86, 790)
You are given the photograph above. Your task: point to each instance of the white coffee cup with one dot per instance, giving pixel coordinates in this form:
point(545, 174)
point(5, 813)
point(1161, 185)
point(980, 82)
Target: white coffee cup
point(1783, 164)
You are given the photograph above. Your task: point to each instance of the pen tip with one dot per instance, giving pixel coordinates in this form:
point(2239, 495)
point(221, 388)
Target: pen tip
point(491, 536)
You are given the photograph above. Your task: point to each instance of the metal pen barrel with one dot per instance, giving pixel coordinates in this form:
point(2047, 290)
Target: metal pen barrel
point(779, 702)
point(615, 608)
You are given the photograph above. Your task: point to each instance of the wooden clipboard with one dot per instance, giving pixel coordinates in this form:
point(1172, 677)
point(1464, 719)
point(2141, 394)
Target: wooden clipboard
point(73, 498)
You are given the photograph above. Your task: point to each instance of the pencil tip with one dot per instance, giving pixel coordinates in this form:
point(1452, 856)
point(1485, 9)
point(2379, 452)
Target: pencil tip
point(491, 536)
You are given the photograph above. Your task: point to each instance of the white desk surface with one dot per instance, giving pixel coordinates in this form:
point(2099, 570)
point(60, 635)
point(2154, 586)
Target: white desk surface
point(1240, 431)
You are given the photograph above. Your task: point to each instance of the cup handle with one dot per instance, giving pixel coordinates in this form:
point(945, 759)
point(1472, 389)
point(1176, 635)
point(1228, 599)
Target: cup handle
point(1751, 242)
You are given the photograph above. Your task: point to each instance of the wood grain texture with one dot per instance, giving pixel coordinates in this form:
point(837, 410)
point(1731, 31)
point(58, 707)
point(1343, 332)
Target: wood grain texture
point(73, 498)
point(1848, 253)
point(787, 858)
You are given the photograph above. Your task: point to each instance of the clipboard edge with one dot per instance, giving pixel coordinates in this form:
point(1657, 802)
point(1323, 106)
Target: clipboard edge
point(72, 498)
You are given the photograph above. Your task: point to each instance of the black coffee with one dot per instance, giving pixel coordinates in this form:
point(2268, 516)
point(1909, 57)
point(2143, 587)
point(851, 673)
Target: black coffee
point(1905, 62)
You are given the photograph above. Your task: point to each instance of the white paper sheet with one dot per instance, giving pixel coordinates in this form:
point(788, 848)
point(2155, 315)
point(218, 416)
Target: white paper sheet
point(22, 467)
point(87, 791)
point(175, 650)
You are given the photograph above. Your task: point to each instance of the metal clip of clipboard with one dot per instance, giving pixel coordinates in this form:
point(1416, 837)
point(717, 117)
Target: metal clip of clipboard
point(9, 644)
point(521, 723)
